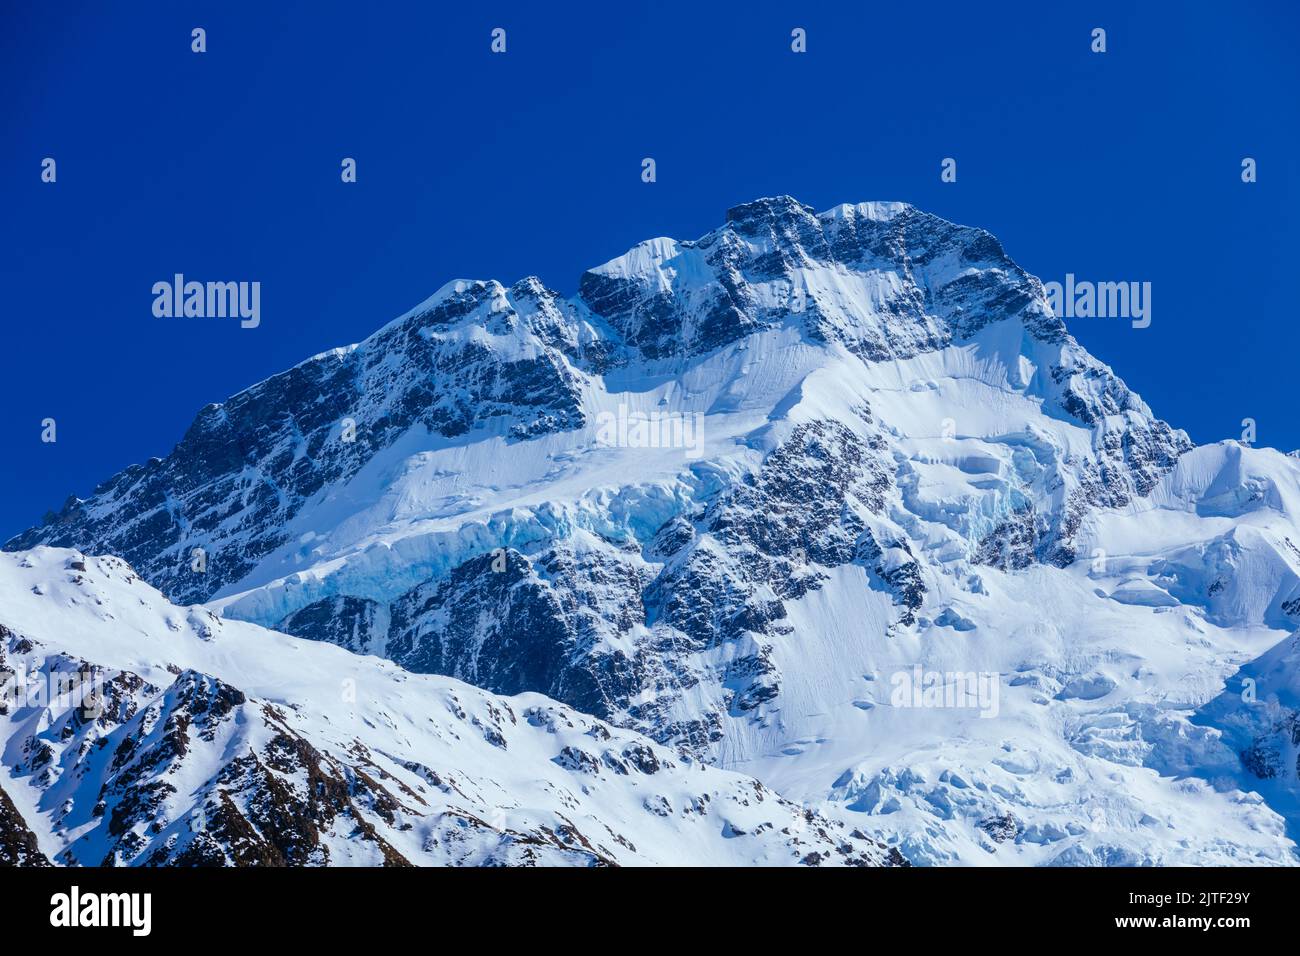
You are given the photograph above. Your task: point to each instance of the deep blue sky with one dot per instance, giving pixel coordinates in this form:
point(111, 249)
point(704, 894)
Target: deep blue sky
point(225, 165)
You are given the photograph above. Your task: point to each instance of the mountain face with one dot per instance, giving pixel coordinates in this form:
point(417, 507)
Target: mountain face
point(766, 498)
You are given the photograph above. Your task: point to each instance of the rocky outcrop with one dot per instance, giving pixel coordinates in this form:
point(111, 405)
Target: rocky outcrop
point(18, 844)
point(355, 624)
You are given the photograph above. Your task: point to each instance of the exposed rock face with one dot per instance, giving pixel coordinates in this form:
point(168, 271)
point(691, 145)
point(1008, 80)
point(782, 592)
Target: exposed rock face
point(494, 626)
point(1001, 828)
point(727, 575)
point(955, 281)
point(18, 844)
point(355, 624)
point(502, 623)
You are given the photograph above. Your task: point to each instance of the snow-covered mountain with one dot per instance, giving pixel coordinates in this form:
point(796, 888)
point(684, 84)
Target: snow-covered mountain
point(739, 495)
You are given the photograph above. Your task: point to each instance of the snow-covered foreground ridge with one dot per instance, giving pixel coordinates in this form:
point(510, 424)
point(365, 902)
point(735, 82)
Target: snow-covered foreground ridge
point(774, 498)
point(180, 738)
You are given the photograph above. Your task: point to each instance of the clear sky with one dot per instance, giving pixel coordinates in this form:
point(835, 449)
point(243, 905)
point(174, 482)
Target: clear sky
point(225, 166)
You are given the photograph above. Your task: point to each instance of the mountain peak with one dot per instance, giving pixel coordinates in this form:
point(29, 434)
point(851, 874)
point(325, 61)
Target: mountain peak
point(874, 211)
point(727, 497)
point(769, 207)
point(876, 282)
